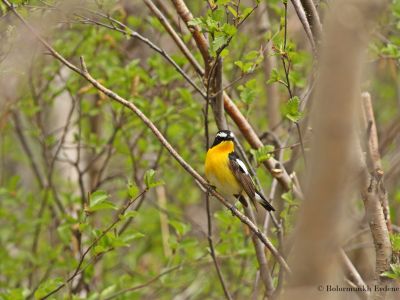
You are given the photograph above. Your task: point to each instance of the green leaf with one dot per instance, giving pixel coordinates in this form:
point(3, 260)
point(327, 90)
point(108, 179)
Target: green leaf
point(211, 24)
point(127, 238)
point(252, 55)
point(248, 91)
point(99, 201)
point(249, 62)
point(65, 234)
point(133, 190)
point(47, 286)
point(240, 64)
point(195, 22)
point(389, 275)
point(218, 16)
point(247, 11)
point(394, 273)
point(218, 42)
point(223, 2)
point(14, 294)
point(100, 249)
point(224, 53)
point(262, 154)
point(108, 291)
point(150, 181)
point(274, 77)
point(291, 109)
point(229, 29)
point(233, 11)
point(395, 241)
point(128, 214)
point(180, 228)
point(288, 197)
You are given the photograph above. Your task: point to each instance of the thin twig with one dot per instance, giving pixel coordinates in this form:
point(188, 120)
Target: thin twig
point(212, 250)
point(133, 34)
point(286, 68)
point(147, 283)
point(354, 274)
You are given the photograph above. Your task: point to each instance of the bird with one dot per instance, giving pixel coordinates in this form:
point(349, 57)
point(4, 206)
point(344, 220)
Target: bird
point(228, 174)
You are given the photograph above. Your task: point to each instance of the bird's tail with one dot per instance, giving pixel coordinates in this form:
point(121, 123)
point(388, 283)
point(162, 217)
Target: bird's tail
point(264, 203)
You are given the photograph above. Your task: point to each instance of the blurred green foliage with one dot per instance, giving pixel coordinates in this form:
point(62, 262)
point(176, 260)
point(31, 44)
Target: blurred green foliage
point(116, 156)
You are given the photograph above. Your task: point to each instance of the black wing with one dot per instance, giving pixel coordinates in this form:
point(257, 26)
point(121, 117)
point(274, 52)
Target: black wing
point(240, 172)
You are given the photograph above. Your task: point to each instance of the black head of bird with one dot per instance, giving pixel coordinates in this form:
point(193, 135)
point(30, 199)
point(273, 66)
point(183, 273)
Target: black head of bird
point(222, 136)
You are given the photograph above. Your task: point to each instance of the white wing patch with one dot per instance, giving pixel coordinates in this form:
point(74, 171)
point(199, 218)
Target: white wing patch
point(242, 166)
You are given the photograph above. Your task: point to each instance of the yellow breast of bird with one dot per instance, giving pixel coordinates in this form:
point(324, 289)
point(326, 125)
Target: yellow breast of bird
point(218, 172)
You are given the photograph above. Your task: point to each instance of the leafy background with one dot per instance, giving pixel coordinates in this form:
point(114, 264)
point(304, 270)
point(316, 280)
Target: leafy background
point(71, 159)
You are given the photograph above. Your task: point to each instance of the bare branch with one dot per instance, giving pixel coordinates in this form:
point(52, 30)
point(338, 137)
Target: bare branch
point(304, 21)
point(313, 18)
point(374, 158)
point(201, 41)
point(375, 198)
point(27, 150)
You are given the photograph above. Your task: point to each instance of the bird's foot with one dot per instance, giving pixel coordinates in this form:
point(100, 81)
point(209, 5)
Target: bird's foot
point(211, 187)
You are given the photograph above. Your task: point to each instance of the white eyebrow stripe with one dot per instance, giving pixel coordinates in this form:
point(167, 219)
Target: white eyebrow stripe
point(222, 134)
point(242, 165)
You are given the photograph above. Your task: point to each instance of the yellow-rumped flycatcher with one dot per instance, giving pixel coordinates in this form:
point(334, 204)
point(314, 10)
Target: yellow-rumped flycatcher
point(228, 173)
